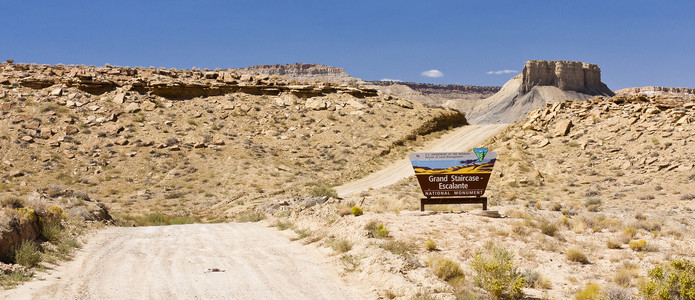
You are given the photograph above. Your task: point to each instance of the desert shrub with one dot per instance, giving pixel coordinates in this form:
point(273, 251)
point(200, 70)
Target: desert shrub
point(612, 244)
point(356, 211)
point(12, 202)
point(674, 280)
point(617, 293)
point(340, 245)
point(591, 291)
point(250, 216)
point(376, 230)
point(324, 191)
point(51, 231)
point(350, 262)
point(548, 228)
point(27, 254)
point(556, 206)
point(444, 268)
point(430, 245)
point(496, 273)
point(592, 201)
point(283, 225)
point(576, 255)
point(640, 245)
point(398, 247)
point(344, 211)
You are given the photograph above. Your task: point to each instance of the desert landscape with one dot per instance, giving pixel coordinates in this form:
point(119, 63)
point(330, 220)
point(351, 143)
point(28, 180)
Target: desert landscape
point(300, 172)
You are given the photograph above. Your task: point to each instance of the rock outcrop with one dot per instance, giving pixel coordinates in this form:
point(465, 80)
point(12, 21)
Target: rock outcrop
point(573, 76)
point(540, 83)
point(167, 83)
point(304, 72)
point(657, 90)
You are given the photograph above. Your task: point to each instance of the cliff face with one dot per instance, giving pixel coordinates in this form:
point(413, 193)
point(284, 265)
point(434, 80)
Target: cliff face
point(574, 76)
point(657, 90)
point(304, 72)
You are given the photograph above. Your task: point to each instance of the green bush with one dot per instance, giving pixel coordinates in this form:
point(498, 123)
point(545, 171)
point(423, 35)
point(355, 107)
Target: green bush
point(496, 273)
point(445, 269)
point(27, 254)
point(675, 280)
point(356, 211)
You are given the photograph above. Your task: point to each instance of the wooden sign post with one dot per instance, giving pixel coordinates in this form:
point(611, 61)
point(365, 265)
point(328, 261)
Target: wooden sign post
point(453, 177)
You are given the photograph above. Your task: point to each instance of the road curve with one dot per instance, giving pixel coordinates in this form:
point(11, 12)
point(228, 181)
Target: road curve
point(462, 139)
point(197, 261)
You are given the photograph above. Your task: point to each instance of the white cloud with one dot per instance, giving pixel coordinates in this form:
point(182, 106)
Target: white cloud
point(389, 79)
point(500, 72)
point(432, 73)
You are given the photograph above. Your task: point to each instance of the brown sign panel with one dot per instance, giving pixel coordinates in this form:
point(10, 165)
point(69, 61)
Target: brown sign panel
point(450, 174)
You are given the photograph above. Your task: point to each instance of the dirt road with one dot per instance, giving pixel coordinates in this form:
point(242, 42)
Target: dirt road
point(198, 261)
point(462, 139)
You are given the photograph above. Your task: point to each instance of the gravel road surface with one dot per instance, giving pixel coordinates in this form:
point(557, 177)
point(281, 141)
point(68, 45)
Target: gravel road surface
point(197, 261)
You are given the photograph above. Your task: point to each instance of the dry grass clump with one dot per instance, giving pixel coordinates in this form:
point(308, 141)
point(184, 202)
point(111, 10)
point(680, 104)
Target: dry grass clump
point(324, 191)
point(576, 255)
point(445, 268)
point(339, 245)
point(154, 219)
point(496, 273)
point(398, 247)
point(12, 202)
point(640, 245)
point(250, 216)
point(283, 225)
point(430, 245)
point(625, 275)
point(548, 228)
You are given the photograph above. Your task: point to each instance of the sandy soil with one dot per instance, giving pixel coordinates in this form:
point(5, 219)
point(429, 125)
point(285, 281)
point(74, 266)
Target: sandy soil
point(199, 261)
point(462, 139)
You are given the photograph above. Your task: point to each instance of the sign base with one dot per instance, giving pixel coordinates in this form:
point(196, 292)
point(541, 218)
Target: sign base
point(467, 200)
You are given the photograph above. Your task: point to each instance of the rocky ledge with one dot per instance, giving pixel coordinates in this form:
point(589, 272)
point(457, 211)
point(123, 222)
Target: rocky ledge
point(168, 83)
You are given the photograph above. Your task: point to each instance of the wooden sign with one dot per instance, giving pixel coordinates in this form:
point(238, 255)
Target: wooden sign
point(453, 174)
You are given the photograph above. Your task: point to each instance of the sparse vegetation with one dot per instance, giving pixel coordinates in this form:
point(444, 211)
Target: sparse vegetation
point(430, 245)
point(496, 273)
point(674, 280)
point(155, 219)
point(356, 211)
point(324, 191)
point(445, 268)
point(27, 254)
point(376, 230)
point(576, 255)
point(250, 216)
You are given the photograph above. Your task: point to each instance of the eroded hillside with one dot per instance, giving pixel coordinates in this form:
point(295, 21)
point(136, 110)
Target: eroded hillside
point(594, 194)
point(193, 142)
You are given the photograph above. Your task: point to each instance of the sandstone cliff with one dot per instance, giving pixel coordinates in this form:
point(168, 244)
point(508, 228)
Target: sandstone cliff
point(657, 90)
point(566, 75)
point(540, 82)
point(304, 72)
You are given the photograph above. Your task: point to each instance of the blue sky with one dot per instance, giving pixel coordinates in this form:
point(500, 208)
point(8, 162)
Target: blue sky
point(636, 43)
